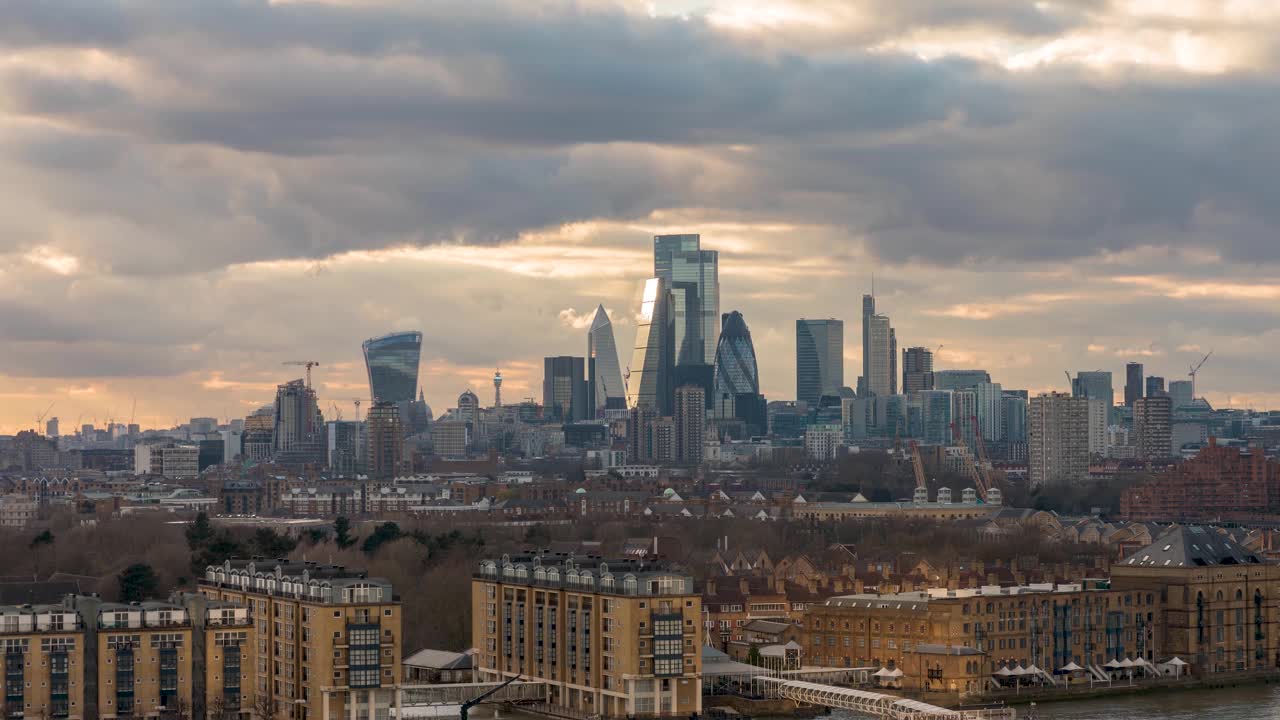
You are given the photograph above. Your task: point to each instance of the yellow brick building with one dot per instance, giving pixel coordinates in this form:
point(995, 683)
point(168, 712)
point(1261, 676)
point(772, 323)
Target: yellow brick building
point(615, 639)
point(143, 659)
point(326, 640)
point(43, 662)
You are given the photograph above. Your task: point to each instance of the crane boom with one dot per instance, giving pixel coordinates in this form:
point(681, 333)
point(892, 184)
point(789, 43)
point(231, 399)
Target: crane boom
point(1195, 369)
point(308, 363)
point(917, 465)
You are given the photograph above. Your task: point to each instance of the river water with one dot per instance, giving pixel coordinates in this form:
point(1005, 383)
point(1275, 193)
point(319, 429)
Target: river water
point(1249, 702)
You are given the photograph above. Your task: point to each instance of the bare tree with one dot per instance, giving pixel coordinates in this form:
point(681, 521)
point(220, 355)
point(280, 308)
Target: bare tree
point(264, 708)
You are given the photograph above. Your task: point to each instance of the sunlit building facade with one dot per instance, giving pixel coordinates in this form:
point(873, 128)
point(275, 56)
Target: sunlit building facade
point(652, 363)
point(392, 362)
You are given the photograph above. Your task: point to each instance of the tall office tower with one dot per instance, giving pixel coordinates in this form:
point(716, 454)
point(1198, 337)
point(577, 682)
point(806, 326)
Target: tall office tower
point(392, 363)
point(959, 379)
point(1098, 417)
point(1058, 439)
point(1015, 416)
point(893, 361)
point(1155, 386)
point(991, 411)
point(693, 277)
point(964, 408)
point(1180, 392)
point(51, 428)
point(605, 390)
point(868, 309)
point(384, 442)
point(469, 408)
point(690, 423)
point(1094, 384)
point(1152, 427)
point(737, 377)
point(1132, 383)
point(564, 388)
point(298, 423)
point(346, 448)
point(497, 388)
point(878, 356)
point(650, 382)
point(819, 359)
point(328, 642)
point(917, 370)
point(935, 417)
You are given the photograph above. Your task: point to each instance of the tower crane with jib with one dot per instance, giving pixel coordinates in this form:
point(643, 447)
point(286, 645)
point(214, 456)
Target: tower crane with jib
point(973, 469)
point(308, 363)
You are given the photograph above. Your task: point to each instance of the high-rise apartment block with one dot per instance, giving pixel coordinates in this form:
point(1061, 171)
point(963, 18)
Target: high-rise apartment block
point(384, 442)
point(690, 423)
point(1058, 439)
point(1152, 427)
point(326, 641)
point(819, 359)
point(610, 638)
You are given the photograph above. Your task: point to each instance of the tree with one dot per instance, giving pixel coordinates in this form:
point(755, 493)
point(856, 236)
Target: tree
point(44, 538)
point(138, 582)
point(272, 544)
point(200, 533)
point(342, 532)
point(216, 709)
point(264, 708)
point(385, 533)
point(753, 656)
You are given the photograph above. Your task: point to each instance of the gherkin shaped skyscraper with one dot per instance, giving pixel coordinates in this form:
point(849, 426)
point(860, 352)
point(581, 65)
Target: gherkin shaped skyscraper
point(737, 377)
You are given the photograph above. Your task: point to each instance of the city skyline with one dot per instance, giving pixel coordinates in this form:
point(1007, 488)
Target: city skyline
point(172, 247)
point(339, 382)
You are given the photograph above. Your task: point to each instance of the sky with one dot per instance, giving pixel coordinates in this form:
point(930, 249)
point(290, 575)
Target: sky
point(196, 193)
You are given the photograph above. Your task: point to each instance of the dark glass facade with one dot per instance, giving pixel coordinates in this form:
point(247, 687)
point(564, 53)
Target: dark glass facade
point(392, 361)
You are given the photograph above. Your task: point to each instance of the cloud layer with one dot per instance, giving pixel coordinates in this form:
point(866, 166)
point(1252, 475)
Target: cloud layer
point(199, 191)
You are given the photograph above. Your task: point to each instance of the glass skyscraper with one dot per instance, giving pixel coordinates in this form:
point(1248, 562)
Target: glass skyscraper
point(650, 376)
point(564, 388)
point(693, 278)
point(819, 359)
point(392, 361)
point(737, 377)
point(604, 376)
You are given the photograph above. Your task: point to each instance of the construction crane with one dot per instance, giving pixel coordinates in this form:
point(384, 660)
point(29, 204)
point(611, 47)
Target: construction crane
point(983, 463)
point(973, 470)
point(40, 418)
point(1070, 382)
point(337, 411)
point(1196, 369)
point(308, 363)
point(917, 465)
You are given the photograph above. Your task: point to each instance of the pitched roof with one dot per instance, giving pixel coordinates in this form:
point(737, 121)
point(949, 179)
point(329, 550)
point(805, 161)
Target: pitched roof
point(1191, 546)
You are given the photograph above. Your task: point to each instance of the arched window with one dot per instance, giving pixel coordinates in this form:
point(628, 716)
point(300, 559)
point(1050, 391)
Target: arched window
point(1239, 594)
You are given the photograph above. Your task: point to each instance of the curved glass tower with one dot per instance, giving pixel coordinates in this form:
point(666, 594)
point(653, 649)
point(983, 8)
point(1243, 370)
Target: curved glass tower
point(737, 378)
point(604, 375)
point(392, 361)
point(650, 375)
point(736, 372)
